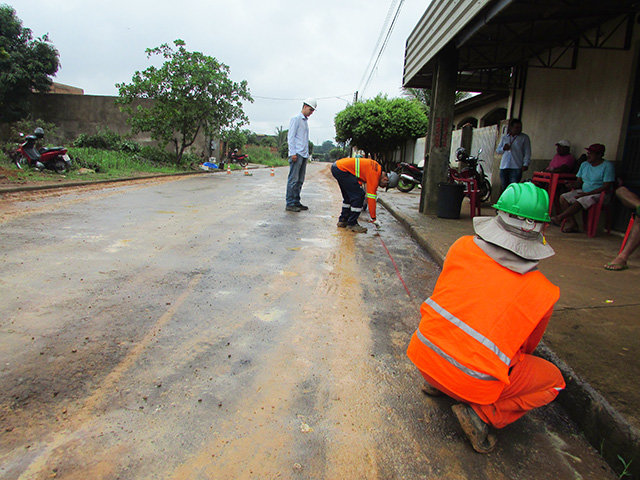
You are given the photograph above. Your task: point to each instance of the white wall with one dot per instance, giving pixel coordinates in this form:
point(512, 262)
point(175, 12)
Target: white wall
point(586, 105)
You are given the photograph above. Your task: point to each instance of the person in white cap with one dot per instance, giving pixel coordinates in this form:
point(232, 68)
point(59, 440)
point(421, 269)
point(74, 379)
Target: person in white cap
point(298, 139)
point(562, 161)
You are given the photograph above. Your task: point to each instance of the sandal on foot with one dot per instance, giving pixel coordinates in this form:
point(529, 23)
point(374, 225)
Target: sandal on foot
point(573, 229)
point(615, 267)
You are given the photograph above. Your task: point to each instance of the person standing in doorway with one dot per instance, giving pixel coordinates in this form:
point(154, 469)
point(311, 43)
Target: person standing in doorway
point(298, 139)
point(515, 148)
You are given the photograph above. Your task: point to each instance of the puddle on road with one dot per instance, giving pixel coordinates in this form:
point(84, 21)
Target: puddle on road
point(288, 274)
point(118, 245)
point(269, 316)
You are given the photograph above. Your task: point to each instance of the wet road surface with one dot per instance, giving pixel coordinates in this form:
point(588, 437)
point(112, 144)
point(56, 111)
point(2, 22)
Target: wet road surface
point(191, 329)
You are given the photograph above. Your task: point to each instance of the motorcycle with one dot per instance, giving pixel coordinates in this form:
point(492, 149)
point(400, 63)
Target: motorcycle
point(410, 176)
point(470, 167)
point(54, 158)
point(235, 157)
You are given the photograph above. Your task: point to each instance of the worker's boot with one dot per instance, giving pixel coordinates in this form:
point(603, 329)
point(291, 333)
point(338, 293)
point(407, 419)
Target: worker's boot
point(474, 428)
point(357, 228)
point(342, 224)
point(430, 390)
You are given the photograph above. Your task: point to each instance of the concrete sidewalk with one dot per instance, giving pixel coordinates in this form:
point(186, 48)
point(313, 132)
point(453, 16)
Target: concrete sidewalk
point(594, 334)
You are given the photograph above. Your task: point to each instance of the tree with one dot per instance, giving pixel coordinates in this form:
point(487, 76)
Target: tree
point(190, 92)
point(423, 95)
point(281, 137)
point(25, 65)
point(380, 125)
point(235, 138)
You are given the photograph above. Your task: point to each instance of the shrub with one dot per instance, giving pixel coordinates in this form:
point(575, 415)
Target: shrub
point(156, 154)
point(106, 140)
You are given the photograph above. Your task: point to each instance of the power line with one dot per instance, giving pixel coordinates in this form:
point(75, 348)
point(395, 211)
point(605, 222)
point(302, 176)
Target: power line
point(384, 45)
point(375, 49)
point(302, 99)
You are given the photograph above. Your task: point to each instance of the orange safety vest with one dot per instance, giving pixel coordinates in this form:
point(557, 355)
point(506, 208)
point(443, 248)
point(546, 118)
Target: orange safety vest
point(475, 322)
point(367, 171)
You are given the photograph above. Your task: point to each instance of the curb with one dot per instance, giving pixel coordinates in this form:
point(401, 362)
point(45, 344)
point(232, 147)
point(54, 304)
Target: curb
point(602, 425)
point(31, 188)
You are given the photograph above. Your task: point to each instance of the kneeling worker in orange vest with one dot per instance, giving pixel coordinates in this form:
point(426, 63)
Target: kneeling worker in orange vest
point(488, 312)
point(351, 173)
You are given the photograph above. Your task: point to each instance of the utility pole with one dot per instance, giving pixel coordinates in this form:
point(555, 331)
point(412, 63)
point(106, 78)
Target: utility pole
point(355, 97)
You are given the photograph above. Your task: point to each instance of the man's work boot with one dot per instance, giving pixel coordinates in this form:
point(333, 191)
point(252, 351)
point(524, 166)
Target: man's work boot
point(430, 390)
point(342, 224)
point(292, 208)
point(357, 228)
point(302, 207)
point(474, 428)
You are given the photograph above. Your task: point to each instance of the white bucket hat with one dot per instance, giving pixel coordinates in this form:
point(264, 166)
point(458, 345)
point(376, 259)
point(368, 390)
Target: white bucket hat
point(521, 236)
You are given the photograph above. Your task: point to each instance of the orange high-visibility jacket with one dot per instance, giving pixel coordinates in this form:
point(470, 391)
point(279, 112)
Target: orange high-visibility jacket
point(477, 320)
point(367, 171)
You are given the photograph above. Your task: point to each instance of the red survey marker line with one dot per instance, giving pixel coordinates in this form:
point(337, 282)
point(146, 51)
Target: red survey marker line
point(396, 267)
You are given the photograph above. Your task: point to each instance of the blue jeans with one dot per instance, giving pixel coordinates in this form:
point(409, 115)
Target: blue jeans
point(295, 180)
point(509, 176)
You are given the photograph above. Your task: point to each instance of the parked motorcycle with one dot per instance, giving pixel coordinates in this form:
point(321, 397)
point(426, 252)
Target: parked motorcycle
point(54, 158)
point(240, 159)
point(410, 177)
point(470, 167)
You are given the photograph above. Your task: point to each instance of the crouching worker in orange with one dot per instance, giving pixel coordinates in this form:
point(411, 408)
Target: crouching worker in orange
point(351, 173)
point(488, 312)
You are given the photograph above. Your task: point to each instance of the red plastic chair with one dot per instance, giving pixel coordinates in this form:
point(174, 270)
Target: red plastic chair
point(591, 216)
point(470, 190)
point(551, 181)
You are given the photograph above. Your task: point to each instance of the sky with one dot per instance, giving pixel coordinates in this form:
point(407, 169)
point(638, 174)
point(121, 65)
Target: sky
point(287, 50)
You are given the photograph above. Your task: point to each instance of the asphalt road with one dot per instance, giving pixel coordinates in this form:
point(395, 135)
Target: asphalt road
point(191, 329)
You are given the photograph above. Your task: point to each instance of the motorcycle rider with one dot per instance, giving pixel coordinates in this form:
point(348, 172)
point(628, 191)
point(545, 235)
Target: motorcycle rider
point(486, 316)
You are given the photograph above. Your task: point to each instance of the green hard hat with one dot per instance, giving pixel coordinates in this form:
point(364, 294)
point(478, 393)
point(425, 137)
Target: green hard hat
point(525, 200)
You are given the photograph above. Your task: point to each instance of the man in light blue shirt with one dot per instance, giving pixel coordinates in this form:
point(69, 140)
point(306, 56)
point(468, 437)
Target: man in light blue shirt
point(595, 176)
point(298, 139)
point(515, 148)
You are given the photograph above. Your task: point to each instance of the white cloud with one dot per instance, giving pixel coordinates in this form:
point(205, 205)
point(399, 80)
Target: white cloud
point(284, 48)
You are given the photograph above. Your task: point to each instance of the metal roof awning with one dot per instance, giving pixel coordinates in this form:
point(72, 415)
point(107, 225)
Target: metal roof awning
point(492, 36)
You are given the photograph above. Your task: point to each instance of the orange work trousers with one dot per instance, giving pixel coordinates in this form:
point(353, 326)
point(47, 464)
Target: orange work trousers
point(534, 382)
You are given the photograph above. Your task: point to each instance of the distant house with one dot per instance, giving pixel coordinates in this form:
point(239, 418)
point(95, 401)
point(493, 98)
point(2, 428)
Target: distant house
point(568, 70)
point(61, 88)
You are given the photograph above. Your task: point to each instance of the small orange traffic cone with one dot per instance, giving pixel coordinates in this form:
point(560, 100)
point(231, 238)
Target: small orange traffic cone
point(273, 171)
point(228, 169)
point(246, 171)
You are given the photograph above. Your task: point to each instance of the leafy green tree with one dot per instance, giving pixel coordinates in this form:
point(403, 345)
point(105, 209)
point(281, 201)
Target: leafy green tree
point(380, 125)
point(235, 138)
point(252, 137)
point(268, 141)
point(281, 137)
point(25, 65)
point(423, 95)
point(338, 153)
point(283, 148)
point(190, 92)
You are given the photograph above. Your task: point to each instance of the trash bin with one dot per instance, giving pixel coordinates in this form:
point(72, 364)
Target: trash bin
point(450, 197)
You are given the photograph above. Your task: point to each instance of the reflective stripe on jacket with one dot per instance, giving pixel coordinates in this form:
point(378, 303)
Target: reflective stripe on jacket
point(367, 171)
point(477, 319)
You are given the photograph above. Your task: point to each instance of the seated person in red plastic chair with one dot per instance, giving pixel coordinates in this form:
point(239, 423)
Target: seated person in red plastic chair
point(562, 161)
point(596, 175)
point(630, 197)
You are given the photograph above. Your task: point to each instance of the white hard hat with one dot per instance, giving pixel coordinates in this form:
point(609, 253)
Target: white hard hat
point(311, 102)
